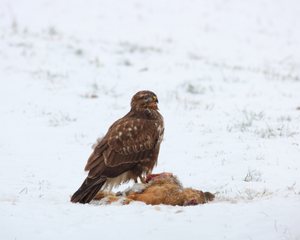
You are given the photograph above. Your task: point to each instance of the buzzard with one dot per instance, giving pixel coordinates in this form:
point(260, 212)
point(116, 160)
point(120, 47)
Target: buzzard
point(129, 150)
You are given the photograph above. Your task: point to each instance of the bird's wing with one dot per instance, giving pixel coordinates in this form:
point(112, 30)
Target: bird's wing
point(129, 141)
point(132, 141)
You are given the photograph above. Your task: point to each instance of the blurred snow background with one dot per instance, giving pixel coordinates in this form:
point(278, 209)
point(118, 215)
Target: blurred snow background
point(227, 74)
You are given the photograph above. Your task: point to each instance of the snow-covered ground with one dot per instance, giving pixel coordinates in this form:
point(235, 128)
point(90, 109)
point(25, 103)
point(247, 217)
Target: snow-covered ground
point(227, 74)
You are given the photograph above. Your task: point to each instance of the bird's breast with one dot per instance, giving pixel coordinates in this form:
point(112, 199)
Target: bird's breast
point(160, 131)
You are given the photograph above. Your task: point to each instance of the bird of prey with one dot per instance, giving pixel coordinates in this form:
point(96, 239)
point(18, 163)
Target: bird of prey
point(128, 151)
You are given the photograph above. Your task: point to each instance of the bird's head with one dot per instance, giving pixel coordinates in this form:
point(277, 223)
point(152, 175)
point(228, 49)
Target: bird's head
point(144, 100)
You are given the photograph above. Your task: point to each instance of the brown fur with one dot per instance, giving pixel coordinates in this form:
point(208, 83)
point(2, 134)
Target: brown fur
point(162, 188)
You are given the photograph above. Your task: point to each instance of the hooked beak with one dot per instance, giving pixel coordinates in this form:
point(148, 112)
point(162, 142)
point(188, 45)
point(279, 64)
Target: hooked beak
point(155, 99)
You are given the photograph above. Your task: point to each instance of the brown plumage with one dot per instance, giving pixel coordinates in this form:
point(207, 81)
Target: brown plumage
point(129, 150)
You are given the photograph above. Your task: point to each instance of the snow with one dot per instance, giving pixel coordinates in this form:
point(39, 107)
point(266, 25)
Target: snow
point(227, 75)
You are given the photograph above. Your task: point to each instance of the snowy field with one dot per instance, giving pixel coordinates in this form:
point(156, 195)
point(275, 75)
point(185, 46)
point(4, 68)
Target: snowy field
point(227, 75)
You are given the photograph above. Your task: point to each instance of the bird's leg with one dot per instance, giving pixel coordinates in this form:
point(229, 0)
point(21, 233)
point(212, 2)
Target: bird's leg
point(138, 172)
point(142, 179)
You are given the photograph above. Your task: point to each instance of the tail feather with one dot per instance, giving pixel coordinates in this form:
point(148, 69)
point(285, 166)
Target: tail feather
point(88, 190)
